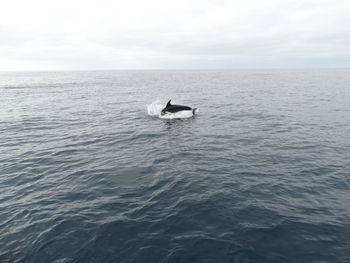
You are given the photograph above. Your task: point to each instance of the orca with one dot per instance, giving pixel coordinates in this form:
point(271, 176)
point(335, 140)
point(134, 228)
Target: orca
point(172, 108)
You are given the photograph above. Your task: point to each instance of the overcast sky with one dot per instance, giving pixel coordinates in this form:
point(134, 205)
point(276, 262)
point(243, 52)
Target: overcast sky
point(136, 34)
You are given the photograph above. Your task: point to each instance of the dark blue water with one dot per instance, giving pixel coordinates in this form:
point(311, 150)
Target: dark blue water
point(261, 174)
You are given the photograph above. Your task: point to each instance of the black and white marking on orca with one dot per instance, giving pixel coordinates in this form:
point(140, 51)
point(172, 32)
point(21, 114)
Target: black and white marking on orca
point(170, 108)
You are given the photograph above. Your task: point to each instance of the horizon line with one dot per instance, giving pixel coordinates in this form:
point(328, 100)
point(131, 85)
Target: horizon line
point(176, 69)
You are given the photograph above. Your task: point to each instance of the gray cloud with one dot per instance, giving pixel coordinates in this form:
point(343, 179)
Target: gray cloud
point(168, 34)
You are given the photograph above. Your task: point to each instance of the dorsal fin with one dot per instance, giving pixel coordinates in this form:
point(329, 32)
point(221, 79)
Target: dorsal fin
point(168, 104)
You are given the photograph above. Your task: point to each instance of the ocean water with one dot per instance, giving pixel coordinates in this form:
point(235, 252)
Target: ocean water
point(90, 173)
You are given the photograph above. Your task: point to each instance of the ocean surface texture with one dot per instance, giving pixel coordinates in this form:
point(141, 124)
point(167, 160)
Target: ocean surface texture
point(89, 173)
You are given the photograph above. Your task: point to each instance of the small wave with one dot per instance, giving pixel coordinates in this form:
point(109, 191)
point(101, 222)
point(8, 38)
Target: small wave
point(155, 108)
point(14, 87)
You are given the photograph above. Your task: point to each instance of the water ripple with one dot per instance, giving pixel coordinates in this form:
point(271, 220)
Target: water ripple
point(261, 174)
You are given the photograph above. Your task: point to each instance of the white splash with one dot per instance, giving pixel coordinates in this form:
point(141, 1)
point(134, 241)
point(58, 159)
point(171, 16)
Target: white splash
point(177, 115)
point(155, 108)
